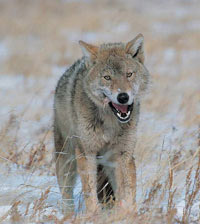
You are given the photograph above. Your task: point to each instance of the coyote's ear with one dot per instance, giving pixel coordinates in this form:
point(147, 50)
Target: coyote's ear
point(89, 50)
point(135, 48)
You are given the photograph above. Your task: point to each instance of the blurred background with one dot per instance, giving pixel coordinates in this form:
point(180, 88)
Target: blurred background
point(39, 41)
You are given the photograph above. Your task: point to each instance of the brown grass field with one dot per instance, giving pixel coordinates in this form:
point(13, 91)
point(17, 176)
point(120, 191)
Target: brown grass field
point(38, 41)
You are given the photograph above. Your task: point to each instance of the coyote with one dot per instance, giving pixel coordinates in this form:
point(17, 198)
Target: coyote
point(96, 111)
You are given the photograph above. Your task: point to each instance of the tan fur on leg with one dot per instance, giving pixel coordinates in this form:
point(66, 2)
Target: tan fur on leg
point(86, 166)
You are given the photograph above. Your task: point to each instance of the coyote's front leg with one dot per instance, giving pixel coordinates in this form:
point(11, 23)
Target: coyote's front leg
point(125, 174)
point(87, 169)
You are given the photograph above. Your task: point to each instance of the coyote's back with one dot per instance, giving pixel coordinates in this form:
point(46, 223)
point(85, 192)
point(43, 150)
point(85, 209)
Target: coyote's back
point(96, 111)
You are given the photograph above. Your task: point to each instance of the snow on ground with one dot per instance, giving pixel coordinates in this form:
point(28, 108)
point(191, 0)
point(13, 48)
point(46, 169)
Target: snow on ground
point(18, 183)
point(32, 64)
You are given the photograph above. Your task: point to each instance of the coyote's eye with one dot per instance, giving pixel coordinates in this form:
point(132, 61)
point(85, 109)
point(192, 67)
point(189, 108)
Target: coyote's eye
point(107, 77)
point(129, 74)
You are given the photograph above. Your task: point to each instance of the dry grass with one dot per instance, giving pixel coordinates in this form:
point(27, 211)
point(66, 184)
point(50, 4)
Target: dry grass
point(37, 40)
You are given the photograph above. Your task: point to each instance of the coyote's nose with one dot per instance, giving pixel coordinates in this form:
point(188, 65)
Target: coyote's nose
point(123, 98)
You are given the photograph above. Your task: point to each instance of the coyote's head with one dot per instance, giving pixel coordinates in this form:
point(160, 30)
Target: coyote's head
point(116, 75)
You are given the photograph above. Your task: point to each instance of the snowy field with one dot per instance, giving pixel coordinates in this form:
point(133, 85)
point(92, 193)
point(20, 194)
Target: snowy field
point(38, 41)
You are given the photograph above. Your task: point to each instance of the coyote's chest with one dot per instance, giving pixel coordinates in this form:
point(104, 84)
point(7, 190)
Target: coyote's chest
point(99, 136)
point(110, 133)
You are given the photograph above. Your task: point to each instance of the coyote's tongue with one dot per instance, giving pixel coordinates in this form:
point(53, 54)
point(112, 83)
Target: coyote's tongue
point(121, 108)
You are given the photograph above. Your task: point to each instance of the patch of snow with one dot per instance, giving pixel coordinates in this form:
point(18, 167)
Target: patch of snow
point(4, 51)
point(78, 197)
point(190, 57)
point(32, 106)
point(193, 25)
point(75, 36)
point(4, 209)
point(21, 185)
point(169, 55)
point(89, 37)
point(181, 12)
point(121, 27)
point(7, 82)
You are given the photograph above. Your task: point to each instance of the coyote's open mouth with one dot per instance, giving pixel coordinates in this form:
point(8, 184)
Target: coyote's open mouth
point(122, 112)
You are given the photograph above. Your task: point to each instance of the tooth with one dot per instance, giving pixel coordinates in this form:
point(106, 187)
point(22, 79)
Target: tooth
point(123, 118)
